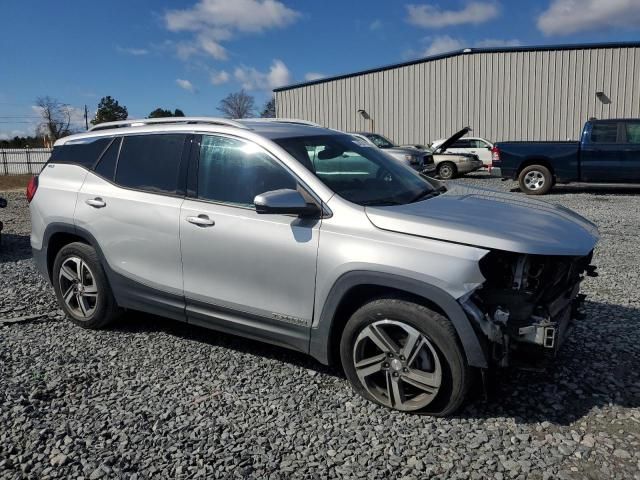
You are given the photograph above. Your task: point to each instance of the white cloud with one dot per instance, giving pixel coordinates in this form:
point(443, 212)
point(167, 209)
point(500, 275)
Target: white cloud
point(252, 79)
point(218, 78)
point(309, 77)
point(137, 52)
point(432, 16)
point(185, 85)
point(564, 17)
point(375, 25)
point(495, 42)
point(443, 44)
point(214, 21)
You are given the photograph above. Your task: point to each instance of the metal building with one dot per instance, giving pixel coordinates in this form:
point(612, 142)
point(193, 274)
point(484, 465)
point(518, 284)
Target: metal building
point(515, 93)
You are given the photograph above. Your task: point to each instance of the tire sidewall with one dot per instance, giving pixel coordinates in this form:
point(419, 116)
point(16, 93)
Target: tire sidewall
point(88, 255)
point(548, 180)
point(435, 327)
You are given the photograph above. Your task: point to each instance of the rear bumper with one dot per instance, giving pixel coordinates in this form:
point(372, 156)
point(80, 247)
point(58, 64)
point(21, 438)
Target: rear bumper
point(40, 259)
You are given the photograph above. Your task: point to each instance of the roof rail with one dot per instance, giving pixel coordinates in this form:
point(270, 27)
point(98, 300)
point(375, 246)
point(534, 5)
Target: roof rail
point(286, 120)
point(167, 120)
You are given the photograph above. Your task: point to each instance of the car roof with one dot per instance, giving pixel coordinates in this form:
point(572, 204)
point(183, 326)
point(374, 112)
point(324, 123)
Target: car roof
point(287, 128)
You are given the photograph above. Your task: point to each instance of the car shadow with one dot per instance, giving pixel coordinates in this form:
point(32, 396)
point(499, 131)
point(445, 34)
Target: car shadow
point(141, 322)
point(14, 247)
point(592, 189)
point(594, 368)
point(598, 366)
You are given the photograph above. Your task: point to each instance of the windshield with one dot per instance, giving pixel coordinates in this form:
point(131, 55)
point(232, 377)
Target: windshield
point(357, 171)
point(379, 140)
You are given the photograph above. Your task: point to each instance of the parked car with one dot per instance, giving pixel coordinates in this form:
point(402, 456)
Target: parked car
point(448, 165)
point(474, 145)
point(608, 153)
point(349, 256)
point(420, 160)
point(3, 204)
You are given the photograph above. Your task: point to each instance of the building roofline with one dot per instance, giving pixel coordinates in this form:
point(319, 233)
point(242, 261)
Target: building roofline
point(464, 51)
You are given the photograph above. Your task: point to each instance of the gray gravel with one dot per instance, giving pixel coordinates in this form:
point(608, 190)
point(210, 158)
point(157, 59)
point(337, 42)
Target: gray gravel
point(151, 397)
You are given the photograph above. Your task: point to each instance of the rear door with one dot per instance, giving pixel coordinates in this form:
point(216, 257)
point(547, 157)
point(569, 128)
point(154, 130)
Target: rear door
point(601, 158)
point(244, 272)
point(131, 204)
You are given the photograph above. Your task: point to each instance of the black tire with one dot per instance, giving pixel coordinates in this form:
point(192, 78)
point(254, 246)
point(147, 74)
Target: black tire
point(105, 308)
point(456, 378)
point(447, 170)
point(535, 180)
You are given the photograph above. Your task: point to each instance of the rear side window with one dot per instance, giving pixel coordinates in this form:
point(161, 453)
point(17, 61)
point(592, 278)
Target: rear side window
point(107, 165)
point(84, 152)
point(633, 132)
point(604, 132)
point(466, 143)
point(150, 162)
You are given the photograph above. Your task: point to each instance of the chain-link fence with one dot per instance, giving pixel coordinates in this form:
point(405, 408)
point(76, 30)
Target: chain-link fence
point(23, 161)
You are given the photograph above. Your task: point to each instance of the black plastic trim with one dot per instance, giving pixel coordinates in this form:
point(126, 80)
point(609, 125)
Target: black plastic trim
point(319, 342)
point(465, 51)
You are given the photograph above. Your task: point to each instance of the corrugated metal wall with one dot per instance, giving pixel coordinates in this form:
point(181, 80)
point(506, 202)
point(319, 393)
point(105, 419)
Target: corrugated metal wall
point(520, 95)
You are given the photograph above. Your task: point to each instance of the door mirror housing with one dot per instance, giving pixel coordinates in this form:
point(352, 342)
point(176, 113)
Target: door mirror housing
point(285, 202)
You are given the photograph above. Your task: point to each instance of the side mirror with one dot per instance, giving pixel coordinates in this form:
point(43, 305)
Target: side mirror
point(285, 202)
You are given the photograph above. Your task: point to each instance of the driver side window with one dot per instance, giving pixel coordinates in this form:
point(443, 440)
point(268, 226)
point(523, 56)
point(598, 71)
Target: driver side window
point(234, 171)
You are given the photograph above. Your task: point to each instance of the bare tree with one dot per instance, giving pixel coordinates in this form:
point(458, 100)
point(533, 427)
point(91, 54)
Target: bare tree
point(56, 117)
point(237, 105)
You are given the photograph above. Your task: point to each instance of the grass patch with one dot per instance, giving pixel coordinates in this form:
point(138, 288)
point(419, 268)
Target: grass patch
point(13, 182)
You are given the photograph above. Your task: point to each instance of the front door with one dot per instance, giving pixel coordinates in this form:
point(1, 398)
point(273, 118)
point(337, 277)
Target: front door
point(631, 151)
point(245, 272)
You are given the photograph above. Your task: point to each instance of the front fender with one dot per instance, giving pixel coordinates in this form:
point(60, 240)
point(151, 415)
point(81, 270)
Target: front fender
point(320, 338)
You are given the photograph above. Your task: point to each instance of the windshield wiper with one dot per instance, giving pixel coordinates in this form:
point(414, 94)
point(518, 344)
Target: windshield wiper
point(378, 203)
point(425, 194)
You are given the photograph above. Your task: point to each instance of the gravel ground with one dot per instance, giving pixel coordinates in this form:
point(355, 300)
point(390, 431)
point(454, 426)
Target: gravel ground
point(151, 397)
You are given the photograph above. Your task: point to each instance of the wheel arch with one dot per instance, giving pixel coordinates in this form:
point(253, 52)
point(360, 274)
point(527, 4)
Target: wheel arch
point(542, 161)
point(355, 288)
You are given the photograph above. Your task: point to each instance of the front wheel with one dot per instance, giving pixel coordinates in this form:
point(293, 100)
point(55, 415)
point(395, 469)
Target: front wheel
point(447, 170)
point(405, 356)
point(535, 180)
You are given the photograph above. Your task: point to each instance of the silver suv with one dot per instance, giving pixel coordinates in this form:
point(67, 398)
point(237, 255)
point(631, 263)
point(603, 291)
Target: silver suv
point(307, 238)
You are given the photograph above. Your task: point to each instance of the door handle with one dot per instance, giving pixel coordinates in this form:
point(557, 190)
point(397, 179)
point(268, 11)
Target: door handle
point(201, 221)
point(96, 202)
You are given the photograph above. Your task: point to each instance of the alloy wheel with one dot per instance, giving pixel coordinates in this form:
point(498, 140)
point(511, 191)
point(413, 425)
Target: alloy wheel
point(78, 287)
point(534, 180)
point(397, 365)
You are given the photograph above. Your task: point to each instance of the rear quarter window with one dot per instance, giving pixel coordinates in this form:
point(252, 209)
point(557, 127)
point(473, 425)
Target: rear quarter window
point(604, 132)
point(85, 152)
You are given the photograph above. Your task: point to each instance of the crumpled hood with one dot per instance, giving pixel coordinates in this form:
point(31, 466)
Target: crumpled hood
point(494, 220)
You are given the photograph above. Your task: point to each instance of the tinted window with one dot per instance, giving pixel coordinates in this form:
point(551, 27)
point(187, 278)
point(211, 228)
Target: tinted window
point(150, 162)
point(81, 152)
point(604, 132)
point(463, 143)
point(380, 141)
point(234, 171)
point(633, 132)
point(107, 165)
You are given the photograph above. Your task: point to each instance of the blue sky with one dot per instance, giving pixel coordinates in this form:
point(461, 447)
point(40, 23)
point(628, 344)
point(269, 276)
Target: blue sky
point(189, 54)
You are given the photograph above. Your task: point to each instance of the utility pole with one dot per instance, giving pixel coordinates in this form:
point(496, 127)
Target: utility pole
point(86, 118)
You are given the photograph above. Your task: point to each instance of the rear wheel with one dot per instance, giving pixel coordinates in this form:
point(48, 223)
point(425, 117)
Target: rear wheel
point(405, 356)
point(447, 170)
point(82, 288)
point(535, 180)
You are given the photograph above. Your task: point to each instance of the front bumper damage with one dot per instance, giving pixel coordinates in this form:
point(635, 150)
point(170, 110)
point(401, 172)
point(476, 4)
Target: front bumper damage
point(526, 308)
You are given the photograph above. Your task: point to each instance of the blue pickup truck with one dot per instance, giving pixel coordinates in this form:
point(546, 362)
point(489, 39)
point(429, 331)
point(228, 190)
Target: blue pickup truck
point(608, 153)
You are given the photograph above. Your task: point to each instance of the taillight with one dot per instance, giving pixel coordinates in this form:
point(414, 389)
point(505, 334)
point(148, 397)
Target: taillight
point(32, 186)
point(495, 155)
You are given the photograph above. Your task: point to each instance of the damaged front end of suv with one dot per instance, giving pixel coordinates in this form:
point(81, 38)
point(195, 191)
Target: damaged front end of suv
point(526, 306)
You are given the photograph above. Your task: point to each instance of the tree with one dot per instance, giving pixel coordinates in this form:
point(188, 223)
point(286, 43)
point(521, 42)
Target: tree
point(109, 110)
point(237, 105)
point(269, 110)
point(56, 117)
point(162, 113)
